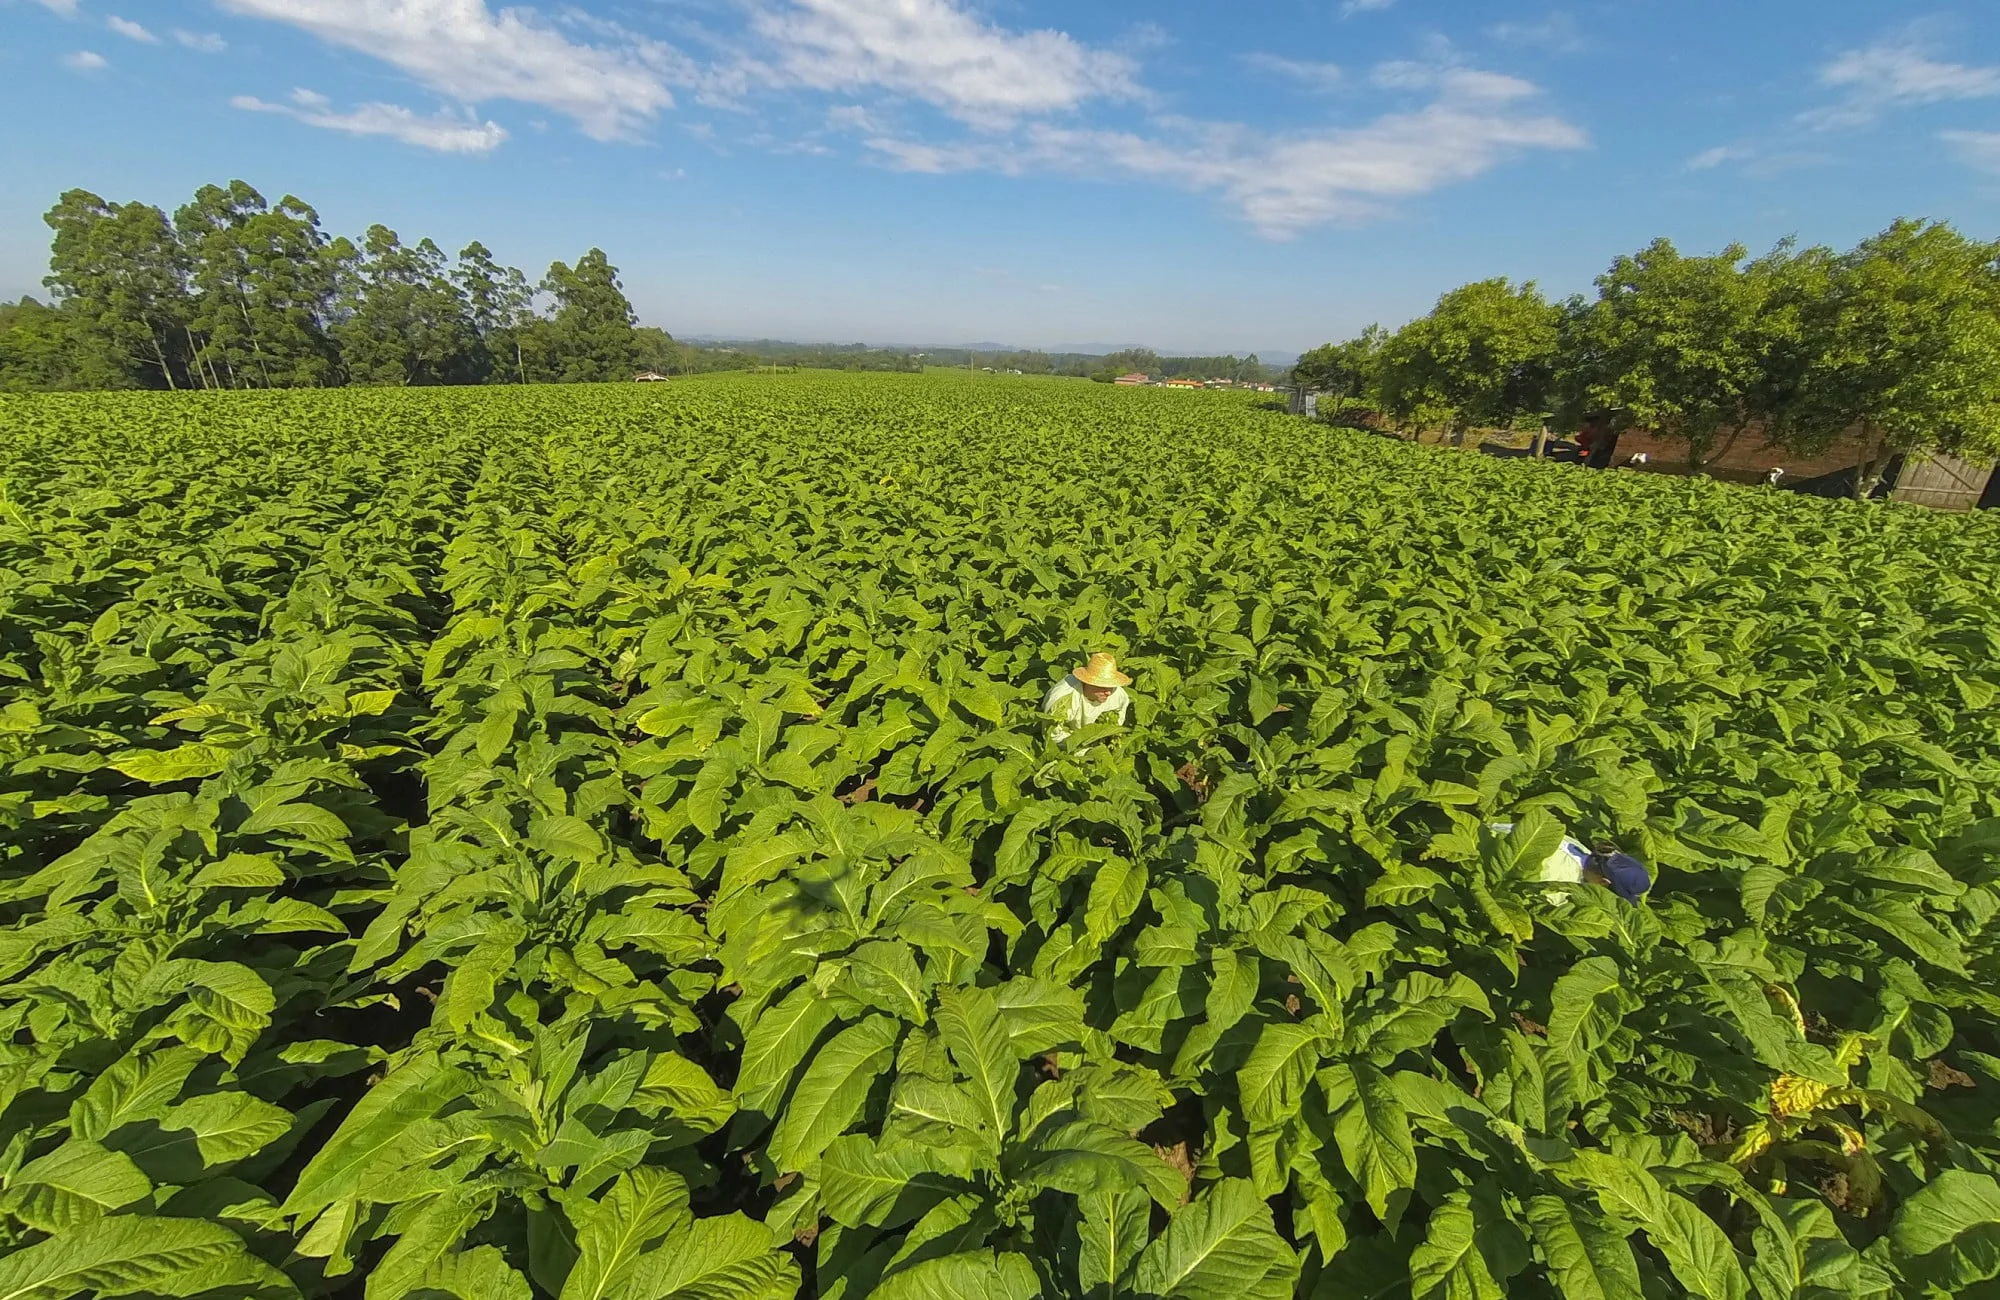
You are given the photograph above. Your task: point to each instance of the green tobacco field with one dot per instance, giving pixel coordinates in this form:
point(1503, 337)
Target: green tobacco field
point(599, 843)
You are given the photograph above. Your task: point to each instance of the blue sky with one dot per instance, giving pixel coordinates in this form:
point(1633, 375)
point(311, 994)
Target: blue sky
point(1194, 177)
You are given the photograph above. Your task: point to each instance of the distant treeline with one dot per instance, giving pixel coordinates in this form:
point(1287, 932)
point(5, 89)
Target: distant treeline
point(235, 292)
point(740, 354)
point(232, 291)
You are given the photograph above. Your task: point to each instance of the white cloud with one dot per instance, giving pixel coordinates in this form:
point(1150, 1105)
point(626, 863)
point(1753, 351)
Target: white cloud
point(1980, 149)
point(1895, 73)
point(1710, 159)
point(463, 49)
point(1287, 183)
point(67, 8)
point(1314, 75)
point(127, 28)
point(443, 132)
point(1558, 33)
point(934, 51)
point(85, 61)
point(1353, 7)
point(204, 42)
point(852, 117)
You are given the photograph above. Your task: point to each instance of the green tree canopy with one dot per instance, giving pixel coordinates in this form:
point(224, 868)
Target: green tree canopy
point(499, 303)
point(1350, 370)
point(1483, 356)
point(121, 277)
point(1900, 345)
point(590, 335)
point(404, 320)
point(1690, 348)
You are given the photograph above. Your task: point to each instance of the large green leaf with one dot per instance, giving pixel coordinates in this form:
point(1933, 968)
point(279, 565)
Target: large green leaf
point(776, 1045)
point(725, 1258)
point(1585, 1008)
point(1447, 1263)
point(885, 1187)
point(969, 1024)
point(163, 767)
point(124, 1254)
point(1372, 1131)
point(956, 1277)
point(1956, 1217)
point(341, 1169)
point(1084, 1157)
point(481, 1273)
point(76, 1182)
point(1223, 1246)
point(1272, 1082)
point(1111, 1227)
point(1586, 1259)
point(301, 821)
point(643, 1206)
point(832, 1091)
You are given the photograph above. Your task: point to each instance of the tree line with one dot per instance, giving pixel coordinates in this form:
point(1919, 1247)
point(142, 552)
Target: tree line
point(234, 292)
point(1894, 344)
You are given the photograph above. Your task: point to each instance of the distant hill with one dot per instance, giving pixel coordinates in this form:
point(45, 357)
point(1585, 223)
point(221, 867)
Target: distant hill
point(1276, 360)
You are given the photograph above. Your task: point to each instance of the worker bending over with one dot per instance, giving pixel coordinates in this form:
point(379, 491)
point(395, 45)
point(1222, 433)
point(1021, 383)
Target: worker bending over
point(1093, 692)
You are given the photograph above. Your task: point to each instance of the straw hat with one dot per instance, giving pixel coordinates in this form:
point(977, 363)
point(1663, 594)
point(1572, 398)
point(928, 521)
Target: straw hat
point(1101, 670)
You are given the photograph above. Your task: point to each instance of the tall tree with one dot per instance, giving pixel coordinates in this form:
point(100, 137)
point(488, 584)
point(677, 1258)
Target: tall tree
point(1484, 356)
point(1901, 350)
point(264, 280)
point(120, 275)
point(499, 303)
point(403, 320)
point(591, 328)
point(1349, 370)
point(1687, 347)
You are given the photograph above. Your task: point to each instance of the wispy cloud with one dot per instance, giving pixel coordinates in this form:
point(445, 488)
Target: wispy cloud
point(1018, 101)
point(1353, 7)
point(1557, 33)
point(133, 31)
point(67, 8)
point(1897, 72)
point(1283, 184)
point(937, 52)
point(442, 132)
point(1710, 159)
point(1313, 75)
point(202, 42)
point(85, 61)
point(1978, 149)
point(462, 48)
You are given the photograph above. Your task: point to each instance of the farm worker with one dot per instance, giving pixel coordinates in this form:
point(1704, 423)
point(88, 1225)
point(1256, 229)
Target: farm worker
point(1587, 437)
point(1601, 864)
point(1092, 692)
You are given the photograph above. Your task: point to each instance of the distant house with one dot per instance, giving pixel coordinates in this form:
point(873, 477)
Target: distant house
point(1185, 383)
point(1136, 377)
point(648, 377)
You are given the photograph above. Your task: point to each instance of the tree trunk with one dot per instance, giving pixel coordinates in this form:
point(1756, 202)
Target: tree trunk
point(1540, 448)
point(166, 371)
point(204, 365)
point(1729, 443)
point(243, 306)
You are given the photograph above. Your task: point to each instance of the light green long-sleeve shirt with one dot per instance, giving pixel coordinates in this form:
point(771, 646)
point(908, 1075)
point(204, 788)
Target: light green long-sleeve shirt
point(1072, 711)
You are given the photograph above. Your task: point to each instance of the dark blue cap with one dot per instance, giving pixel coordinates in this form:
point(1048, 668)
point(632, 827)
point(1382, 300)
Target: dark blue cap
point(1628, 876)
